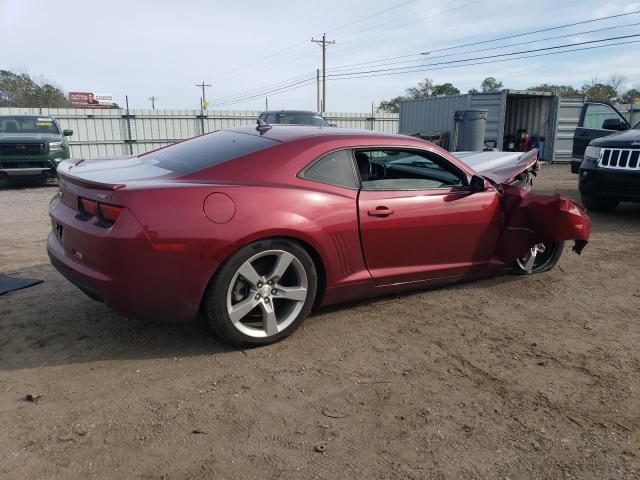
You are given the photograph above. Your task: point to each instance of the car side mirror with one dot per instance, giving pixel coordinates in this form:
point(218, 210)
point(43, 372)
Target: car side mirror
point(614, 124)
point(67, 133)
point(476, 184)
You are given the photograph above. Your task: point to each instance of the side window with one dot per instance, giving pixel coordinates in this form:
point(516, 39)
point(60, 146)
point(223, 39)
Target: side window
point(272, 119)
point(406, 170)
point(263, 117)
point(335, 168)
point(596, 114)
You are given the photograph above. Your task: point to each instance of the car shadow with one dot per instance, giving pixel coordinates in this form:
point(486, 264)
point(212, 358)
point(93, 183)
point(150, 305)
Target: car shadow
point(53, 323)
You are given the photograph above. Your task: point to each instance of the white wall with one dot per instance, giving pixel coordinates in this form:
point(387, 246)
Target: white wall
point(105, 132)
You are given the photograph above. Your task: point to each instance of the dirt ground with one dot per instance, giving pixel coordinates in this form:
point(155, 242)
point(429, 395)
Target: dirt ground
point(510, 377)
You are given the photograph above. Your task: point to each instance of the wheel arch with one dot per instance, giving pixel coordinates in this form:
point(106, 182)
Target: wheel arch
point(313, 252)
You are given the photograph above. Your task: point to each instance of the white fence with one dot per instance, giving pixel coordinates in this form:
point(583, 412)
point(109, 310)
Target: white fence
point(112, 132)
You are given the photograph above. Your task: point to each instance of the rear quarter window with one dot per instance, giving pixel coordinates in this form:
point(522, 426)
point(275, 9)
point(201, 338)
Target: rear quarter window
point(335, 168)
point(205, 151)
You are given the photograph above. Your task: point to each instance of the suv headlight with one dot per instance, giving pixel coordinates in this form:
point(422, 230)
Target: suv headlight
point(592, 152)
point(55, 146)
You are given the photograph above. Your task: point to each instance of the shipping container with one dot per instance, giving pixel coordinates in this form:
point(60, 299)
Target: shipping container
point(515, 119)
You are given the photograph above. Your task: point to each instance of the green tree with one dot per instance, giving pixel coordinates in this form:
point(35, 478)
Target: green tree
point(596, 91)
point(490, 84)
point(20, 90)
point(424, 89)
point(562, 90)
point(444, 89)
point(631, 96)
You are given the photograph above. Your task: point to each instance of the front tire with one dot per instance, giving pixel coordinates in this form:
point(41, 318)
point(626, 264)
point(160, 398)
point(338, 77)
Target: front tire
point(599, 204)
point(540, 258)
point(262, 293)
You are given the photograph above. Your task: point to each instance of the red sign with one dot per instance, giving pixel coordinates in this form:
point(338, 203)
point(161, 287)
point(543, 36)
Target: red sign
point(91, 100)
point(80, 98)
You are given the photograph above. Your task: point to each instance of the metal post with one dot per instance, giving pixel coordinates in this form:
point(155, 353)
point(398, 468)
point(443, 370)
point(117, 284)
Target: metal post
point(318, 109)
point(128, 120)
point(266, 104)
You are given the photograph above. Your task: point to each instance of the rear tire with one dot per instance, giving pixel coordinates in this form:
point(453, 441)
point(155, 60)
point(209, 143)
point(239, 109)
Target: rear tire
point(543, 261)
point(599, 204)
point(262, 293)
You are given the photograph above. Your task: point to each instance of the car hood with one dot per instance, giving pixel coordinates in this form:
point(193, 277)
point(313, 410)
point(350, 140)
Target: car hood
point(500, 167)
point(622, 139)
point(30, 137)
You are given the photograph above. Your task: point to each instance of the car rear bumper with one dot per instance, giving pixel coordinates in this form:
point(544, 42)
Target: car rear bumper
point(607, 183)
point(26, 172)
point(120, 267)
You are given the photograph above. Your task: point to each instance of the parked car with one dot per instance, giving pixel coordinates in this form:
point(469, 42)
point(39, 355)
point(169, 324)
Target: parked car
point(294, 117)
point(31, 146)
point(253, 227)
point(606, 153)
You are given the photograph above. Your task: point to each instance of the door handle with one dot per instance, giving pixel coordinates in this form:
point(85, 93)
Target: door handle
point(381, 212)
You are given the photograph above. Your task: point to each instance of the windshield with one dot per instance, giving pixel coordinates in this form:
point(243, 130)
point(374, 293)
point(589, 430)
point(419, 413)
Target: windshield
point(206, 151)
point(24, 124)
point(302, 118)
point(637, 126)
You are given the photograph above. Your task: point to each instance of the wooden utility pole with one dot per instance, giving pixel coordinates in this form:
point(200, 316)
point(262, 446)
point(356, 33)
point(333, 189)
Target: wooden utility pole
point(203, 101)
point(324, 43)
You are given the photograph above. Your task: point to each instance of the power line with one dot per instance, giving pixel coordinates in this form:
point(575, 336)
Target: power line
point(422, 55)
point(271, 85)
point(377, 30)
point(538, 31)
point(489, 61)
point(380, 12)
point(304, 42)
point(558, 27)
point(285, 88)
point(487, 56)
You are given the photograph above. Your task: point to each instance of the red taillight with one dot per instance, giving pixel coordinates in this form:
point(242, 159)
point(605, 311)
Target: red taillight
point(89, 207)
point(107, 214)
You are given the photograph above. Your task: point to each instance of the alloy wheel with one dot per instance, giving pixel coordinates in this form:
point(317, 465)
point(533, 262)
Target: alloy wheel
point(267, 293)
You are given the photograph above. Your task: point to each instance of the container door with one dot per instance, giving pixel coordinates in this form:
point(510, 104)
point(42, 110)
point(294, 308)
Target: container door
point(566, 118)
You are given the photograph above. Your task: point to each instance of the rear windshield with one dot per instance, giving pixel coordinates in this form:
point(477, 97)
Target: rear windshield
point(24, 124)
point(301, 118)
point(206, 151)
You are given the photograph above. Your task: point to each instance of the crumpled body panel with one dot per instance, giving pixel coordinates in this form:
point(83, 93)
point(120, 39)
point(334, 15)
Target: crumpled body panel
point(532, 218)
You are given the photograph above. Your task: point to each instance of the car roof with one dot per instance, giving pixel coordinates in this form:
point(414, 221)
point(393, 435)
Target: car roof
point(286, 133)
point(310, 112)
point(44, 115)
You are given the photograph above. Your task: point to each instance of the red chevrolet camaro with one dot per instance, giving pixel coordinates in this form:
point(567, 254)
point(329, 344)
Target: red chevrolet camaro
point(252, 227)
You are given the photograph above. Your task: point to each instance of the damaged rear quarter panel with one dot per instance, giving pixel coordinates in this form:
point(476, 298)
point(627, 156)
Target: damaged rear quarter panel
point(532, 218)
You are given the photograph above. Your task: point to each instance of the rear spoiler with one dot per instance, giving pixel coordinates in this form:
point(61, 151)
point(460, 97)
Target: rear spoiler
point(63, 173)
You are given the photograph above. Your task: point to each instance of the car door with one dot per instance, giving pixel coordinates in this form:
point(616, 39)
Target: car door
point(596, 120)
point(418, 218)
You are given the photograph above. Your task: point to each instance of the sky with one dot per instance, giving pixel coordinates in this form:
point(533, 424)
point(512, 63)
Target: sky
point(244, 49)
